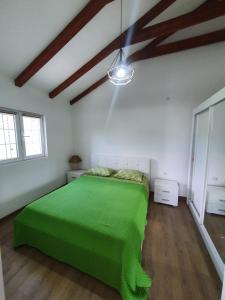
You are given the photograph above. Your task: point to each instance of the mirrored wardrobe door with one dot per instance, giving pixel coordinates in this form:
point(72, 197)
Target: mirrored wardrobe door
point(199, 162)
point(214, 219)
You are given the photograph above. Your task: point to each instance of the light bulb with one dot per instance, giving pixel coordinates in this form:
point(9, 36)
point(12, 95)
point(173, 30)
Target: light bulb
point(120, 72)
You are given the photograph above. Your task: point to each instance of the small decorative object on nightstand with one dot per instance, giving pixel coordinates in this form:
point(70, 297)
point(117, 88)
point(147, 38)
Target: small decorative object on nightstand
point(166, 191)
point(72, 175)
point(75, 161)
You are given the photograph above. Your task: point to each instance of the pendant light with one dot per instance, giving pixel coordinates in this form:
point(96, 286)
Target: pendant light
point(120, 73)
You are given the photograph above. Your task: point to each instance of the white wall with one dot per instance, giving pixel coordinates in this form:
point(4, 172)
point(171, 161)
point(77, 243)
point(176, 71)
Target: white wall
point(152, 116)
point(25, 181)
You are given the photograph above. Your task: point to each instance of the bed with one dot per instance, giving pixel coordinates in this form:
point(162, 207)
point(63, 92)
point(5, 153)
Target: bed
point(95, 224)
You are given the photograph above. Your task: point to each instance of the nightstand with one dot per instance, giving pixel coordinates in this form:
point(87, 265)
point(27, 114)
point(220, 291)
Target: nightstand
point(72, 175)
point(215, 203)
point(166, 192)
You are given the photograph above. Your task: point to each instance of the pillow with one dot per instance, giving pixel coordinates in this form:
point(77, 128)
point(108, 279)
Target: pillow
point(129, 175)
point(105, 172)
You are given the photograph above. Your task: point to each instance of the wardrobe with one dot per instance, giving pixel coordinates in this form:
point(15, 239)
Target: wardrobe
point(206, 187)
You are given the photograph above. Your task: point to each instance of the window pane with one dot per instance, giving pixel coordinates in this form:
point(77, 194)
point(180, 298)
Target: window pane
point(2, 152)
point(13, 151)
point(35, 124)
point(6, 134)
point(2, 137)
point(8, 121)
point(12, 137)
point(8, 152)
point(1, 121)
point(32, 135)
point(8, 143)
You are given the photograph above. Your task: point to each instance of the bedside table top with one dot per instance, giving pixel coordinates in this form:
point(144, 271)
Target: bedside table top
point(159, 181)
point(76, 172)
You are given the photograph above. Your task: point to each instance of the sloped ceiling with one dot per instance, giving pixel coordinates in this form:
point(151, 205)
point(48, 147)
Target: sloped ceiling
point(28, 26)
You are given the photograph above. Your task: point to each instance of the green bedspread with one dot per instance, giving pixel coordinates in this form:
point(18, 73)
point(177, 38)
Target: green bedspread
point(94, 224)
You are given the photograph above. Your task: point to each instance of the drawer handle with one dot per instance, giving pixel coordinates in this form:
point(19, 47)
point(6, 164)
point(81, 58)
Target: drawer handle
point(165, 200)
point(166, 192)
point(221, 200)
point(221, 210)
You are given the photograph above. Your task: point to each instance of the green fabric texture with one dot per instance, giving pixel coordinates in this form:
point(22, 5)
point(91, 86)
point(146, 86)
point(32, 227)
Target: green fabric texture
point(100, 172)
point(94, 224)
point(133, 175)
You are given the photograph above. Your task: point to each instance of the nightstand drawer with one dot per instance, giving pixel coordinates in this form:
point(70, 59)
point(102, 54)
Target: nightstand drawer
point(71, 178)
point(74, 174)
point(166, 199)
point(216, 200)
point(215, 208)
point(167, 191)
point(216, 194)
point(167, 187)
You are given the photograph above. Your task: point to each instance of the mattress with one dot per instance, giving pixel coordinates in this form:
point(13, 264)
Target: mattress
point(94, 224)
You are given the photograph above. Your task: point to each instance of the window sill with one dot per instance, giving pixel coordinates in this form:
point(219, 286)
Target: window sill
point(19, 161)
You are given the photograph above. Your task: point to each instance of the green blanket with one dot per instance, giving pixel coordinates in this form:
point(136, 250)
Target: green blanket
point(94, 224)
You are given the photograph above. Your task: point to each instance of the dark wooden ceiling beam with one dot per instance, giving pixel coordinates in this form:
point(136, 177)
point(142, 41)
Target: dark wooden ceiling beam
point(208, 11)
point(90, 89)
point(115, 44)
point(87, 13)
point(190, 43)
point(150, 51)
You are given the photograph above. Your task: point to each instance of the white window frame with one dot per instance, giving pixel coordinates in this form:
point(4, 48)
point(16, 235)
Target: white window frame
point(20, 140)
point(12, 160)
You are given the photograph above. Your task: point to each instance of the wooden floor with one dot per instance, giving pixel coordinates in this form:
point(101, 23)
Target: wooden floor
point(173, 255)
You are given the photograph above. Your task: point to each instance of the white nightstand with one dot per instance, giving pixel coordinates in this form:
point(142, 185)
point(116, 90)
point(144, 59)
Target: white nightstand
point(215, 203)
point(166, 192)
point(72, 175)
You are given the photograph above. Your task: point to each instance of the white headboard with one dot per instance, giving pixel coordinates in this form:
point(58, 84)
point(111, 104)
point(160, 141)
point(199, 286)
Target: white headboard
point(122, 162)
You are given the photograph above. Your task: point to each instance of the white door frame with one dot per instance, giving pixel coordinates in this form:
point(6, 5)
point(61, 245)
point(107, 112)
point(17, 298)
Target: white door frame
point(223, 291)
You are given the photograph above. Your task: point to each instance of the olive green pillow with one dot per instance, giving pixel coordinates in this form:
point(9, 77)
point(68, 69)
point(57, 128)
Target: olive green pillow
point(105, 172)
point(129, 175)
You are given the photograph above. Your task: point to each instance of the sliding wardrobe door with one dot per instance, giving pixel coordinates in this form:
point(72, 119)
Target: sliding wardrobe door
point(214, 218)
point(201, 136)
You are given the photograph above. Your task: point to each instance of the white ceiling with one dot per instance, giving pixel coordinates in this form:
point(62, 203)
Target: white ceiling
point(27, 26)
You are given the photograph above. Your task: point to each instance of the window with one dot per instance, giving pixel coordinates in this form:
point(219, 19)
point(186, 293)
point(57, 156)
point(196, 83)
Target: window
point(22, 136)
point(8, 142)
point(32, 135)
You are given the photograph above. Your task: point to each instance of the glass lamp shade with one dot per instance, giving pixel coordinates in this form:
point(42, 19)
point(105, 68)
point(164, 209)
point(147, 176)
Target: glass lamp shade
point(120, 73)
